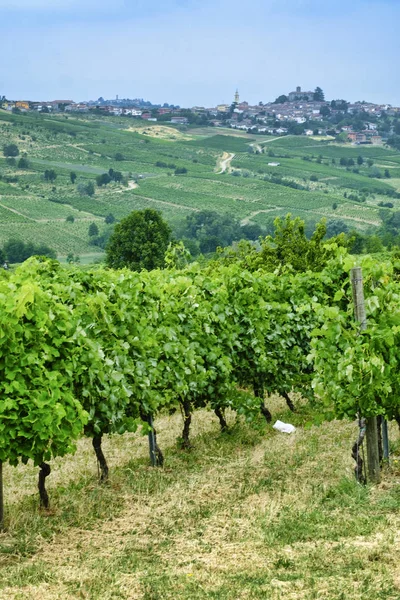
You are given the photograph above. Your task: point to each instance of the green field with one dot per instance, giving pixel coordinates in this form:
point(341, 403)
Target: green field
point(250, 189)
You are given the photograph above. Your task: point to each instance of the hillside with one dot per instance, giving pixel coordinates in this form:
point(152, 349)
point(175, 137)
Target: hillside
point(308, 181)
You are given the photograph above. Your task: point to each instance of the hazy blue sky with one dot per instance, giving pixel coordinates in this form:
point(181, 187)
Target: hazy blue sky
point(198, 51)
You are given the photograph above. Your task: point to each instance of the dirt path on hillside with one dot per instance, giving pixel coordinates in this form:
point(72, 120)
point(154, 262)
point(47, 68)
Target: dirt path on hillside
point(344, 217)
point(78, 147)
point(224, 163)
point(170, 204)
point(132, 185)
point(273, 139)
point(247, 220)
point(13, 210)
point(61, 220)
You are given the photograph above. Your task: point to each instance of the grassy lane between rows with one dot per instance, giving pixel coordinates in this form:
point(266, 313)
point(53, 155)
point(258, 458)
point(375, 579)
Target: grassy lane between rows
point(251, 514)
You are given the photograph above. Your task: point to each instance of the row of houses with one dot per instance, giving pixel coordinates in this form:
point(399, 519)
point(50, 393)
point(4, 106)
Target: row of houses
point(365, 137)
point(68, 106)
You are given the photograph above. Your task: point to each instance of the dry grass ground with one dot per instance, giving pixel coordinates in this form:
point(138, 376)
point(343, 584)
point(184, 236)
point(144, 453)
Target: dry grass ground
point(253, 514)
point(161, 131)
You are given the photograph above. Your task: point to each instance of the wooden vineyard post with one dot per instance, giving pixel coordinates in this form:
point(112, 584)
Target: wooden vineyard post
point(374, 471)
point(152, 443)
point(385, 438)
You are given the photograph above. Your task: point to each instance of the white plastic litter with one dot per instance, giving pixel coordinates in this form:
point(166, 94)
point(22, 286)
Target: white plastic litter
point(284, 427)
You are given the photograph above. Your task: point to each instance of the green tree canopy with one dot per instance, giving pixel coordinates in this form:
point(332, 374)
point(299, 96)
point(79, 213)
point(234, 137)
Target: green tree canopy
point(10, 150)
point(281, 99)
point(23, 163)
point(109, 219)
point(18, 251)
point(50, 175)
point(139, 241)
point(319, 95)
point(93, 229)
point(103, 179)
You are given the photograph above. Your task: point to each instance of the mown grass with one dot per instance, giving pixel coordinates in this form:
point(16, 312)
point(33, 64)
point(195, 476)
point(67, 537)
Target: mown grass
point(248, 514)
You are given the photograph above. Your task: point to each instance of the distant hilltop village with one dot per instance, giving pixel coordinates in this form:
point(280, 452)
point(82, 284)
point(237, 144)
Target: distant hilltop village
point(298, 112)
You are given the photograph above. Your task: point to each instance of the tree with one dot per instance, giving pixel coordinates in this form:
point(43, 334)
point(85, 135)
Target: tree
point(139, 241)
point(109, 219)
point(281, 99)
point(336, 227)
point(325, 111)
point(90, 188)
point(360, 160)
point(103, 179)
point(119, 156)
point(387, 173)
point(10, 150)
point(70, 219)
point(72, 176)
point(17, 251)
point(50, 175)
point(86, 189)
point(23, 163)
point(117, 176)
point(93, 230)
point(210, 243)
point(319, 95)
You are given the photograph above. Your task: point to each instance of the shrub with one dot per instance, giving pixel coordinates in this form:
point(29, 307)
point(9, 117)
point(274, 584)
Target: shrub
point(23, 163)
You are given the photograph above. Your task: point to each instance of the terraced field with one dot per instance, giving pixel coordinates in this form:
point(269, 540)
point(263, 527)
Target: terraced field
point(308, 179)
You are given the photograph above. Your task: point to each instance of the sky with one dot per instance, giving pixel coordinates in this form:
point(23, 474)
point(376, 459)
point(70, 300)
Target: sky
point(197, 52)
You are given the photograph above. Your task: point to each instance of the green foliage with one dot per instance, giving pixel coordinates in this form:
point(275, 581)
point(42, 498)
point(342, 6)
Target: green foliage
point(288, 246)
point(139, 241)
point(93, 229)
point(281, 99)
point(86, 189)
point(50, 175)
point(356, 372)
point(18, 251)
point(39, 417)
point(10, 150)
point(109, 219)
point(319, 95)
point(211, 230)
point(23, 163)
point(103, 179)
point(177, 256)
